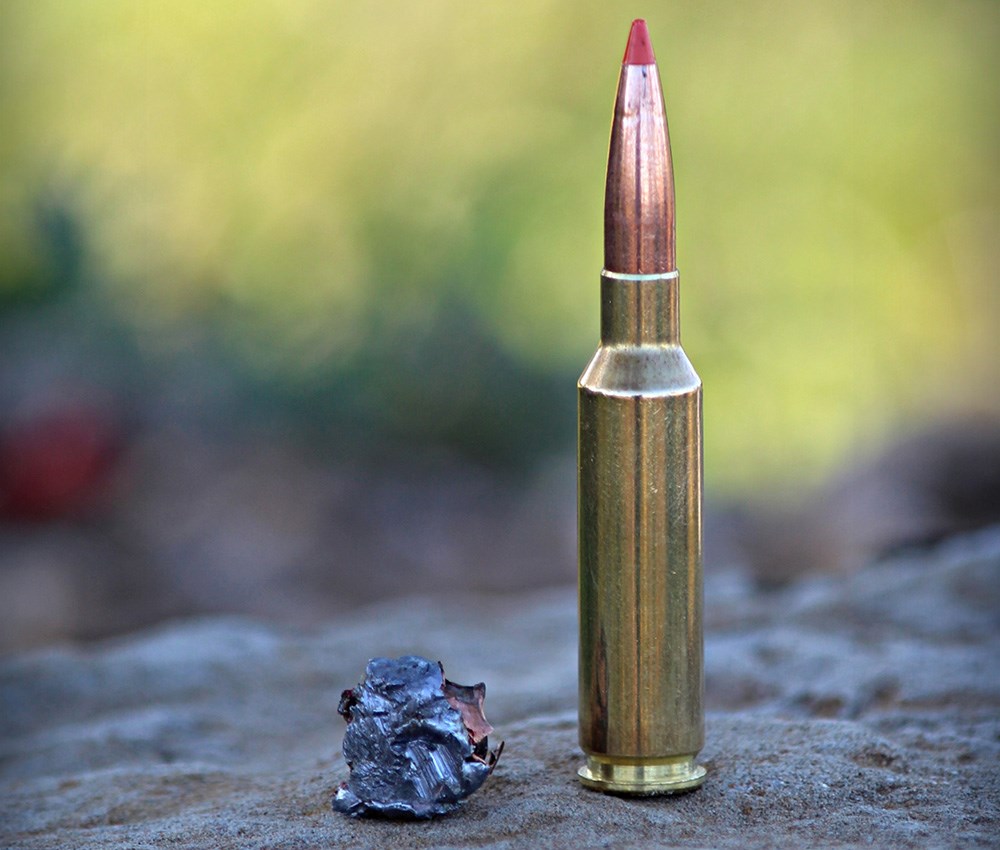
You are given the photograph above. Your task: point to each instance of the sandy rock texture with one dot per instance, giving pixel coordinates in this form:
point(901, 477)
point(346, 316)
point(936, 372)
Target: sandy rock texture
point(845, 711)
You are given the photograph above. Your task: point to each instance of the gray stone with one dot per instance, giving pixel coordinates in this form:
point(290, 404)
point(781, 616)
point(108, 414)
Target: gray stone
point(852, 711)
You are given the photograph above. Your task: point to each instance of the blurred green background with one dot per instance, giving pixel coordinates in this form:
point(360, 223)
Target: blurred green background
point(381, 222)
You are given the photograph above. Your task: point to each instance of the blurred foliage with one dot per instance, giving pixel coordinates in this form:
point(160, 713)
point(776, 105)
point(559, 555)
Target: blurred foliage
point(386, 216)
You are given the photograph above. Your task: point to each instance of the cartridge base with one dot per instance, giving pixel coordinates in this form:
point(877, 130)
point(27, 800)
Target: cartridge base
point(642, 777)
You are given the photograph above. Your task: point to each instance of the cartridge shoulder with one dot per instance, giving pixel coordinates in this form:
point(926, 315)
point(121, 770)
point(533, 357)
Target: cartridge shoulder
point(640, 370)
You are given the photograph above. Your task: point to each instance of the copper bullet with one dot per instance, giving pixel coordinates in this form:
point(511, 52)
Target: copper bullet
point(640, 476)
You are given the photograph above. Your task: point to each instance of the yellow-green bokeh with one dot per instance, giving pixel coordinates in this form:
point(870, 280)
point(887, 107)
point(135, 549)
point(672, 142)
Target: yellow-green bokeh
point(306, 164)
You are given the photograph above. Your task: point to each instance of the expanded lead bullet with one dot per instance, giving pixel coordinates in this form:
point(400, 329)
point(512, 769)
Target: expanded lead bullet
point(640, 476)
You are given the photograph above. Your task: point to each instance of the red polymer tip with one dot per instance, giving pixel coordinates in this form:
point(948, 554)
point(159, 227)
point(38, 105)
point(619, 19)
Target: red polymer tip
point(639, 50)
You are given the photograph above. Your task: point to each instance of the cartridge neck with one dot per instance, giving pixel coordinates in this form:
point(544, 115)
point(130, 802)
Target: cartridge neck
point(640, 309)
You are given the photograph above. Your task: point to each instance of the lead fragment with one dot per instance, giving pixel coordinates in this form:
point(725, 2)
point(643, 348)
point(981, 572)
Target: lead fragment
point(416, 743)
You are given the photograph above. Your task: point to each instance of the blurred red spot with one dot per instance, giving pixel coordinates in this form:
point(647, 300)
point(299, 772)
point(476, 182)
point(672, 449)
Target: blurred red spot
point(54, 464)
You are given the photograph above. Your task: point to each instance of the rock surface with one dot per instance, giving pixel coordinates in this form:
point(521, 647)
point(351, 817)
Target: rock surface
point(846, 711)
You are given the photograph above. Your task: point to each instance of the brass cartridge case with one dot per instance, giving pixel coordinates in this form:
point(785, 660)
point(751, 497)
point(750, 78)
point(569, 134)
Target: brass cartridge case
point(640, 546)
